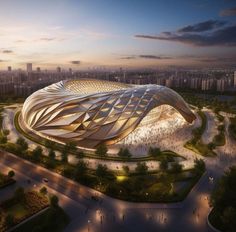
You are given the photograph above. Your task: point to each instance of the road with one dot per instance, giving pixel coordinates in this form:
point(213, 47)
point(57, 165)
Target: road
point(114, 215)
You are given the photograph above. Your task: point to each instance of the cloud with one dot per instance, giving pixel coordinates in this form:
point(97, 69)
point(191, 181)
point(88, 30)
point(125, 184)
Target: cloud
point(145, 57)
point(7, 51)
point(75, 62)
point(228, 12)
point(218, 59)
point(203, 26)
point(225, 36)
point(128, 57)
point(47, 39)
point(155, 57)
point(20, 41)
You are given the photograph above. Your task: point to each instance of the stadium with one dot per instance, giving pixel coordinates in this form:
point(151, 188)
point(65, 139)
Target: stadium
point(90, 112)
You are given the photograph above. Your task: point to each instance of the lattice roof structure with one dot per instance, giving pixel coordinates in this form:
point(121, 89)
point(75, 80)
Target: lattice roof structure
point(90, 112)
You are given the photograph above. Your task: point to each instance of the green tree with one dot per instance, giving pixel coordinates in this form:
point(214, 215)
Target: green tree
point(64, 157)
point(22, 143)
point(71, 146)
point(211, 146)
point(164, 164)
point(50, 162)
point(154, 151)
point(54, 201)
point(81, 154)
point(101, 170)
point(101, 150)
point(126, 169)
point(68, 171)
point(11, 174)
point(199, 166)
point(3, 139)
point(37, 153)
point(176, 167)
point(50, 144)
point(124, 153)
point(223, 199)
point(141, 168)
point(81, 169)
point(6, 132)
point(52, 155)
point(43, 190)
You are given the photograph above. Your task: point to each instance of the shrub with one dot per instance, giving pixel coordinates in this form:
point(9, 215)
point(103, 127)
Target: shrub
point(176, 167)
point(124, 153)
point(154, 151)
point(125, 169)
point(199, 166)
point(101, 170)
point(3, 139)
point(163, 164)
point(37, 153)
point(43, 190)
point(81, 169)
point(141, 168)
point(101, 150)
point(54, 201)
point(11, 174)
point(22, 143)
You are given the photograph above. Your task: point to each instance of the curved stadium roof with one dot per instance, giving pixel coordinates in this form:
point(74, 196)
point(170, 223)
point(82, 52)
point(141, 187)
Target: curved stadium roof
point(91, 112)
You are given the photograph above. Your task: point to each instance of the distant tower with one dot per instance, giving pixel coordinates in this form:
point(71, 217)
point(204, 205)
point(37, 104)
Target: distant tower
point(29, 67)
point(9, 68)
point(59, 69)
point(38, 69)
point(122, 75)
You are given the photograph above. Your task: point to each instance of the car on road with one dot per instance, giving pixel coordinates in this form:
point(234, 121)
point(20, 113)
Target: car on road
point(45, 180)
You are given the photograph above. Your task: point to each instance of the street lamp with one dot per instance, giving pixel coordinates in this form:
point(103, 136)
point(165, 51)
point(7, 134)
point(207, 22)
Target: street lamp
point(88, 225)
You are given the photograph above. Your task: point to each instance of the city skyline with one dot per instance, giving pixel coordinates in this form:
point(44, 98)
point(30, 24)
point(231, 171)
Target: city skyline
point(79, 34)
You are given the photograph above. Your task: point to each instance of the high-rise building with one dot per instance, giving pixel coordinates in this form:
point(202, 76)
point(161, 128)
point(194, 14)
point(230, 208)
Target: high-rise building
point(9, 68)
point(29, 67)
point(234, 79)
point(58, 69)
point(38, 69)
point(205, 84)
point(220, 85)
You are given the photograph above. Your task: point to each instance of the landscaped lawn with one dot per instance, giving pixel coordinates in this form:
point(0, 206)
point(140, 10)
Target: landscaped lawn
point(196, 144)
point(158, 187)
point(20, 207)
point(50, 220)
point(18, 210)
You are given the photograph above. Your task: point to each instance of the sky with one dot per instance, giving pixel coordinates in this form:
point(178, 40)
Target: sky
point(117, 33)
